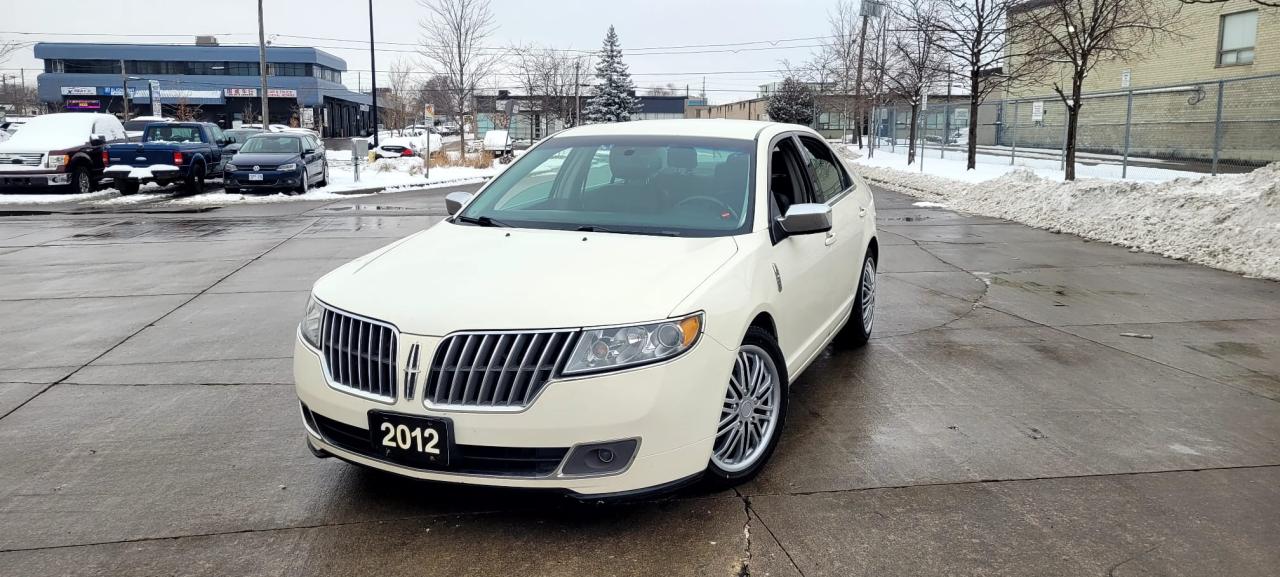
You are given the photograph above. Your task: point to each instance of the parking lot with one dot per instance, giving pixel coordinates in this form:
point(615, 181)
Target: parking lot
point(1031, 403)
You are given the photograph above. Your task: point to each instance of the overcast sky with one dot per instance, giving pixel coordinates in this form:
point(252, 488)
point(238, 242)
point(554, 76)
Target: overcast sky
point(577, 24)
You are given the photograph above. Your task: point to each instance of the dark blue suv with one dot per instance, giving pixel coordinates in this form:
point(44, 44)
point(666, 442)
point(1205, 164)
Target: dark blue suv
point(272, 161)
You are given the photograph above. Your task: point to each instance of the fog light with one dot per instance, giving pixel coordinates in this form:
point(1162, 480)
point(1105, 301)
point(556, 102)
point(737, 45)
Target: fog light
point(600, 458)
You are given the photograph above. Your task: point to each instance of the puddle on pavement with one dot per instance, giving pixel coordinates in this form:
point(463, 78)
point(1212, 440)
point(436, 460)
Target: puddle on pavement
point(368, 208)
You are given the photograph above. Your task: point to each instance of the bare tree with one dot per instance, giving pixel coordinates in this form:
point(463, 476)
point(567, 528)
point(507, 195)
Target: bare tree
point(844, 51)
point(8, 47)
point(453, 37)
point(977, 34)
point(433, 92)
point(1078, 34)
point(400, 93)
point(547, 77)
point(1267, 3)
point(918, 61)
point(183, 110)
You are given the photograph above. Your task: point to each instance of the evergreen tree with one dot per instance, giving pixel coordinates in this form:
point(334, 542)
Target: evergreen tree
point(792, 102)
point(613, 98)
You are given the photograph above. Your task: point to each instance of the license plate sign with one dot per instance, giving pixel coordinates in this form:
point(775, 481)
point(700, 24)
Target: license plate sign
point(410, 440)
point(255, 177)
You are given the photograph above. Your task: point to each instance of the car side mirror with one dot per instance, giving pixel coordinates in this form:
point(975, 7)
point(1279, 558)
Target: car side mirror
point(309, 151)
point(454, 201)
point(97, 139)
point(808, 218)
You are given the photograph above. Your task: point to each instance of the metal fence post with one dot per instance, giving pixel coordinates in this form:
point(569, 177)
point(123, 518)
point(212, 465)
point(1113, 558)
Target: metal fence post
point(893, 129)
point(946, 129)
point(1217, 129)
point(1066, 126)
point(1013, 151)
point(1128, 123)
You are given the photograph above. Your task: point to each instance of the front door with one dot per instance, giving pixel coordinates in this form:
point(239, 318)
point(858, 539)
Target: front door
point(804, 302)
point(833, 186)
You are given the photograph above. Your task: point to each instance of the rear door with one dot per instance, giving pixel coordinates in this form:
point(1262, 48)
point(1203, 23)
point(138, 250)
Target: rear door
point(832, 186)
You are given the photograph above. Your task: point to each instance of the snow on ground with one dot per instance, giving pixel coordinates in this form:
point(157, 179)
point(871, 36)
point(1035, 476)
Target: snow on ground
point(222, 198)
point(403, 173)
point(1229, 221)
point(990, 166)
point(54, 198)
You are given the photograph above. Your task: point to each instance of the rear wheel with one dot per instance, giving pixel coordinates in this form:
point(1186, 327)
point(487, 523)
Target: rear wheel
point(753, 412)
point(857, 330)
point(324, 177)
point(195, 182)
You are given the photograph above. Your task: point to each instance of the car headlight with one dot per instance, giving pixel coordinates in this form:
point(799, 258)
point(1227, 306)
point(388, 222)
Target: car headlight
point(311, 323)
point(288, 167)
point(618, 347)
point(230, 168)
point(56, 161)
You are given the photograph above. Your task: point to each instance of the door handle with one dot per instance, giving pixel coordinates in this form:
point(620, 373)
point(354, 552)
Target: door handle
point(831, 239)
point(862, 211)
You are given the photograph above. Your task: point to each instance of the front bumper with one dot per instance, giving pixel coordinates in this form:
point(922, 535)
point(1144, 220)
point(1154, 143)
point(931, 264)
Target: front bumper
point(271, 179)
point(671, 407)
point(32, 180)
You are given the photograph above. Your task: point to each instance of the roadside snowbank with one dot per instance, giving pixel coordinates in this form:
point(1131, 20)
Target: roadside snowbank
point(402, 174)
point(1230, 221)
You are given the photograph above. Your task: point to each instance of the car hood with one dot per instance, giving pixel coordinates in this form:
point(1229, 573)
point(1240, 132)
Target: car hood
point(459, 277)
point(267, 158)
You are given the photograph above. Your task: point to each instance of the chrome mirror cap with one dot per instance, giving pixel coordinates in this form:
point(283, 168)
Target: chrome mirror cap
point(454, 201)
point(806, 219)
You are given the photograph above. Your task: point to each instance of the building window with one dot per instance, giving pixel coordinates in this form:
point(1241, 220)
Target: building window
point(91, 66)
point(242, 68)
point(287, 69)
point(1237, 37)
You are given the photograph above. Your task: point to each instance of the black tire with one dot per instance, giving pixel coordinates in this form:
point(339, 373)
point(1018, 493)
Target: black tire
point(857, 330)
point(126, 187)
point(755, 341)
point(195, 181)
point(324, 176)
point(304, 182)
point(81, 180)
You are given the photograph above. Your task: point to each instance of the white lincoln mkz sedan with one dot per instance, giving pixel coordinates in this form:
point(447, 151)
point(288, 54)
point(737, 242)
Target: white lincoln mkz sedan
point(620, 311)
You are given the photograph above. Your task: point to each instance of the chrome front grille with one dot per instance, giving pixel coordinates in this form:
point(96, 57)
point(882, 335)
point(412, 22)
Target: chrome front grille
point(22, 158)
point(497, 371)
point(359, 354)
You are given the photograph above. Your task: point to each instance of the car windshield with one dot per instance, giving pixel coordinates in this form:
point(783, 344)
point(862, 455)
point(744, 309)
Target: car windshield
point(165, 133)
point(265, 143)
point(663, 185)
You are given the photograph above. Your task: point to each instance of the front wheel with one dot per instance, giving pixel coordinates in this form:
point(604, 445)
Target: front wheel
point(752, 414)
point(857, 330)
point(81, 180)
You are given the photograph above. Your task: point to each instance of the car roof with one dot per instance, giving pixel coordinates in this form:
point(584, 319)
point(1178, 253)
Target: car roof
point(704, 127)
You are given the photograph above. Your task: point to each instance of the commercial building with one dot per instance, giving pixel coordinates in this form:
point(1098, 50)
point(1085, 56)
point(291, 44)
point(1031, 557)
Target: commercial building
point(528, 120)
point(205, 81)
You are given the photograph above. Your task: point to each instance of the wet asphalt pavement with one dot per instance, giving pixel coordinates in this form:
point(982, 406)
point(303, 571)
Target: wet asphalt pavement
point(999, 423)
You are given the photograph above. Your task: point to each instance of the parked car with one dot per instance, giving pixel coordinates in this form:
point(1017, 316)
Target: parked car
point(404, 146)
point(11, 124)
point(278, 161)
point(448, 129)
point(62, 150)
point(190, 152)
point(497, 143)
point(621, 310)
point(133, 127)
point(237, 136)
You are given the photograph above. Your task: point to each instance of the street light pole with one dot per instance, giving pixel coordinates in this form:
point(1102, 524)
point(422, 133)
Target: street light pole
point(262, 67)
point(124, 85)
point(373, 77)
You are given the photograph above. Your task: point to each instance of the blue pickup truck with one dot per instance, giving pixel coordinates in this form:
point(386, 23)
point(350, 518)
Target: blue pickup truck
point(169, 152)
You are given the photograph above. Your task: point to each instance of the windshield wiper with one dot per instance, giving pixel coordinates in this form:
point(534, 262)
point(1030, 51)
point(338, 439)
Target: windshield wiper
point(594, 228)
point(481, 221)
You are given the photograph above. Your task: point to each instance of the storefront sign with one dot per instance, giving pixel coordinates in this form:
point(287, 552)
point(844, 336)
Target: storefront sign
point(155, 102)
point(79, 90)
point(253, 93)
point(83, 104)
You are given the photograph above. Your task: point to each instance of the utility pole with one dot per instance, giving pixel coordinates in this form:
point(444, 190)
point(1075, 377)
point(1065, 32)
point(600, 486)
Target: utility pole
point(124, 85)
point(857, 83)
point(577, 100)
point(262, 67)
point(373, 77)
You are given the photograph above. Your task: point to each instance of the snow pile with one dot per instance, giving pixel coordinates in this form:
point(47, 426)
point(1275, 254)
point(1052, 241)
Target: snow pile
point(54, 198)
point(137, 172)
point(222, 198)
point(1231, 222)
point(991, 166)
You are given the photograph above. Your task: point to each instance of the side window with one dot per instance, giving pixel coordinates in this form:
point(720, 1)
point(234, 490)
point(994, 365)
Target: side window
point(786, 177)
point(215, 132)
point(829, 177)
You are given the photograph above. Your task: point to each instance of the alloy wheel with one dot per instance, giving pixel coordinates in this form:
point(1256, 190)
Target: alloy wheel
point(868, 295)
point(82, 182)
point(749, 415)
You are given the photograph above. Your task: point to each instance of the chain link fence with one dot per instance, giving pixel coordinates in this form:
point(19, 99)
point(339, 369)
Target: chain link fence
point(1209, 127)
